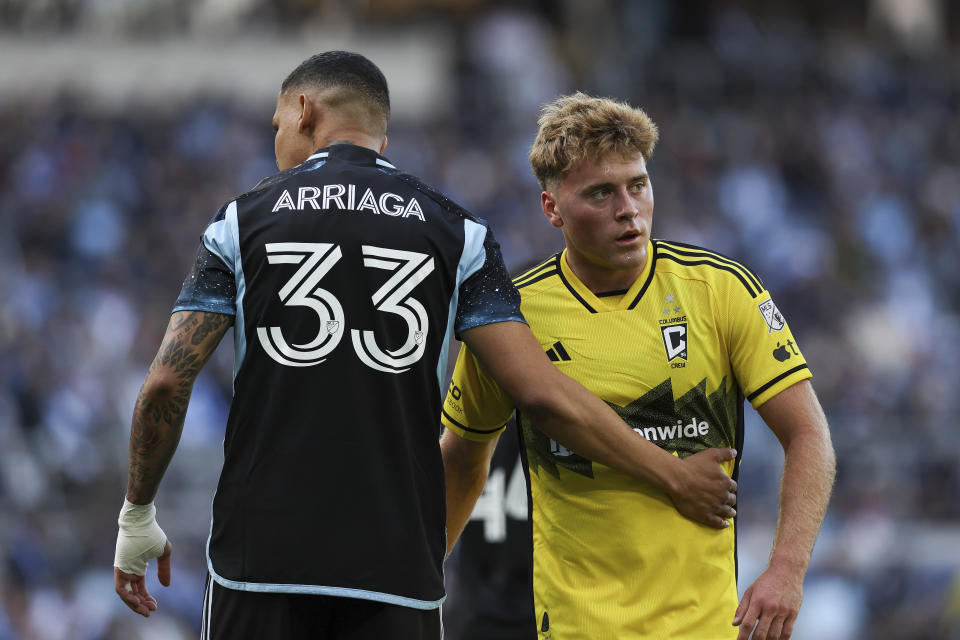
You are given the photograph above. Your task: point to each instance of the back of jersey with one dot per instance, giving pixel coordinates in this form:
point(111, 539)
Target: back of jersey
point(350, 277)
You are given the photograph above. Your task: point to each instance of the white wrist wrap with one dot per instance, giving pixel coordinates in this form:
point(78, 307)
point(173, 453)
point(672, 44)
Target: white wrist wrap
point(140, 538)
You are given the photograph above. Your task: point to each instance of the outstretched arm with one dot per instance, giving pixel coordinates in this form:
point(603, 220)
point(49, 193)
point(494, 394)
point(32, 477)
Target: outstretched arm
point(190, 339)
point(773, 601)
point(567, 412)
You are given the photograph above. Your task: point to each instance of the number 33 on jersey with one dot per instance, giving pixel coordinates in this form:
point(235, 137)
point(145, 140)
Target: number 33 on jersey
point(304, 289)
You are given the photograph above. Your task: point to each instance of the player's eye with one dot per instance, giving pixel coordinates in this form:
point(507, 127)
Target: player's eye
point(599, 194)
point(638, 185)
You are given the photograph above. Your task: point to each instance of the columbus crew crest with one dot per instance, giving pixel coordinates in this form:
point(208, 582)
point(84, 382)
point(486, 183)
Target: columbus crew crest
point(675, 340)
point(772, 315)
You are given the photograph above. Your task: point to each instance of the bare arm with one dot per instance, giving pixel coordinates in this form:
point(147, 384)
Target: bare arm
point(158, 415)
point(773, 601)
point(190, 340)
point(466, 465)
point(563, 409)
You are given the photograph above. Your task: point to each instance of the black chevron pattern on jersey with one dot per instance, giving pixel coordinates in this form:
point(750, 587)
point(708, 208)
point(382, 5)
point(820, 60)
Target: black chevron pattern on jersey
point(659, 413)
point(696, 256)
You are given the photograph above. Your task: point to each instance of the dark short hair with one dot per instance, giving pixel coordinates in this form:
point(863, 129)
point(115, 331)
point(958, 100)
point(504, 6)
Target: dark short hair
point(342, 69)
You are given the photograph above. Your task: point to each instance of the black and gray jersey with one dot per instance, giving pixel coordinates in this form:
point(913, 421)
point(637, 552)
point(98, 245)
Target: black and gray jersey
point(347, 278)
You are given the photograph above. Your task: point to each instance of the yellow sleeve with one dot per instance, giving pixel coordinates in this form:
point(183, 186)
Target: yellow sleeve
point(763, 352)
point(476, 408)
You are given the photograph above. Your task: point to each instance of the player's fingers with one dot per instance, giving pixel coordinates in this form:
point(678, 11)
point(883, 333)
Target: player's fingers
point(125, 585)
point(129, 597)
point(745, 628)
point(724, 455)
point(163, 565)
point(717, 522)
point(763, 627)
point(749, 620)
point(731, 499)
point(733, 485)
point(146, 599)
point(147, 602)
point(150, 603)
point(128, 587)
point(743, 606)
point(776, 628)
point(726, 511)
point(788, 627)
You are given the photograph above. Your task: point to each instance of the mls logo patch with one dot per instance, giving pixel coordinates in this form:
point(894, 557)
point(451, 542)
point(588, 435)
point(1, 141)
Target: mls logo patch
point(675, 340)
point(772, 315)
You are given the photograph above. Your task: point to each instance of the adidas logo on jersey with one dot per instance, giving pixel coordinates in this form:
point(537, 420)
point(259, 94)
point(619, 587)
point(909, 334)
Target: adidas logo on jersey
point(557, 353)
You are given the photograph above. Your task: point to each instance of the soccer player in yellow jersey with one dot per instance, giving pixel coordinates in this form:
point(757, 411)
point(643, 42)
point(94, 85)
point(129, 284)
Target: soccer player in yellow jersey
point(673, 337)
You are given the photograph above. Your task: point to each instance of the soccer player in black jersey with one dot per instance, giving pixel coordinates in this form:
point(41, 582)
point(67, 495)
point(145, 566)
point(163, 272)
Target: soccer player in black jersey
point(344, 279)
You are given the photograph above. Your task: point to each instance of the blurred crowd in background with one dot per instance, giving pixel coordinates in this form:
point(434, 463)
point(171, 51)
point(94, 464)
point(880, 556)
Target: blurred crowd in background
point(815, 142)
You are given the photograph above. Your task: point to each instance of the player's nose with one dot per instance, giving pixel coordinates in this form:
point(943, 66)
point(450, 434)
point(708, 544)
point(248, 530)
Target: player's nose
point(625, 206)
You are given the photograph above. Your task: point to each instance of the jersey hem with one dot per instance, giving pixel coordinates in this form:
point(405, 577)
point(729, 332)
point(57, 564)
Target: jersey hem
point(778, 384)
point(485, 321)
point(319, 590)
point(209, 308)
point(465, 432)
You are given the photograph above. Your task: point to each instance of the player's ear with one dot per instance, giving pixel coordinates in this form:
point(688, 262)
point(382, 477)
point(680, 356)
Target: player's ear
point(548, 202)
point(308, 114)
point(383, 147)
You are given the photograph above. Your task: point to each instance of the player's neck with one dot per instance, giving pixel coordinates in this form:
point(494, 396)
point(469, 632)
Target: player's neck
point(600, 278)
point(349, 136)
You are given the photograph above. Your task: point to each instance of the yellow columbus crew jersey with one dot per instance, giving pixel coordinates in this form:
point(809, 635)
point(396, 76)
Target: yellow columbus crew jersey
point(674, 356)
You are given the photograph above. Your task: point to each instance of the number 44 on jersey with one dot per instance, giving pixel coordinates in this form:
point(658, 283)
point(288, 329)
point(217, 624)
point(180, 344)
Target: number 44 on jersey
point(501, 500)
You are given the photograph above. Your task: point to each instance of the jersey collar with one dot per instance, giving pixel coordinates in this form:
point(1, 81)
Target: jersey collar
point(353, 154)
point(595, 304)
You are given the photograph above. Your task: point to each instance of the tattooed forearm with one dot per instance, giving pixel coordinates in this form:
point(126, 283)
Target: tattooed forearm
point(210, 323)
point(161, 405)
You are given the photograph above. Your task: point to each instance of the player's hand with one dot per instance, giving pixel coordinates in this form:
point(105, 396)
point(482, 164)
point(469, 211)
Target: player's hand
point(140, 539)
point(132, 588)
point(771, 605)
point(704, 492)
